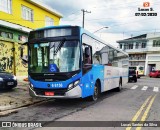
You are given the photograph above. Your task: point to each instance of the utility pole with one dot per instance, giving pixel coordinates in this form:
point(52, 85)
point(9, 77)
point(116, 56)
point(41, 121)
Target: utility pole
point(84, 11)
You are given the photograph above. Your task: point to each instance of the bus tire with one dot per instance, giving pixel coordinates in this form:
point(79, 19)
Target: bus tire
point(119, 88)
point(96, 94)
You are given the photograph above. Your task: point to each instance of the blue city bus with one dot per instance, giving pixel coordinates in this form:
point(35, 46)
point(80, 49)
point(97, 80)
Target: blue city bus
point(70, 62)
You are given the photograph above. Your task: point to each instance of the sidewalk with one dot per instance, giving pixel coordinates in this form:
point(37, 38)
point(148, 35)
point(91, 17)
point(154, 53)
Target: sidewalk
point(17, 97)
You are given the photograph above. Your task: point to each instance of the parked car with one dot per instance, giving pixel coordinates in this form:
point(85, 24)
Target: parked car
point(139, 70)
point(154, 73)
point(7, 80)
point(132, 75)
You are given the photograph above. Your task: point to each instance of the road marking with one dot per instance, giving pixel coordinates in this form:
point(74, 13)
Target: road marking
point(139, 112)
point(156, 89)
point(144, 88)
point(146, 111)
point(134, 87)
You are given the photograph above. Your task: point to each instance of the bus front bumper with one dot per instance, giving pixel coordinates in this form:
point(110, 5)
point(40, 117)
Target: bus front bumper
point(76, 92)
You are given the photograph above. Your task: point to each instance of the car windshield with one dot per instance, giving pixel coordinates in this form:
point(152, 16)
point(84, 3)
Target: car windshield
point(140, 68)
point(132, 68)
point(132, 72)
point(56, 56)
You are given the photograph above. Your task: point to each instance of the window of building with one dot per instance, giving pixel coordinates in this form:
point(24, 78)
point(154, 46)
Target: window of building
point(154, 58)
point(137, 56)
point(27, 13)
point(126, 46)
point(6, 6)
point(49, 21)
point(131, 46)
point(143, 45)
point(120, 46)
point(22, 38)
point(137, 44)
point(6, 34)
point(156, 43)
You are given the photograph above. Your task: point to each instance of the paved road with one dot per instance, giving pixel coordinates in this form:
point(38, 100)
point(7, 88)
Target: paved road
point(136, 102)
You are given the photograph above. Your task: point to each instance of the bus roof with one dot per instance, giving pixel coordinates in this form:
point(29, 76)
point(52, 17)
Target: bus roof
point(100, 40)
point(53, 27)
point(82, 30)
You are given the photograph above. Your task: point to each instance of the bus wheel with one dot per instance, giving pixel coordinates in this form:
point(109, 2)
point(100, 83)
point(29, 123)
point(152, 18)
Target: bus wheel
point(118, 89)
point(95, 96)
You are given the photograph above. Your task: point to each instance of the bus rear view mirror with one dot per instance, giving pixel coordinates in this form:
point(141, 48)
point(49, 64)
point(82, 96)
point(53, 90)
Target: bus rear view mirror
point(87, 52)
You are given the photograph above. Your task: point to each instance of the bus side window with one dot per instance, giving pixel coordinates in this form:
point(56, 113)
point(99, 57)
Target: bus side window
point(87, 54)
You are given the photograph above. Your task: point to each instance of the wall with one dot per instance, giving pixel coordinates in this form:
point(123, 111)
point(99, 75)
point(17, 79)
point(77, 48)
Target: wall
point(10, 53)
point(38, 15)
point(10, 48)
point(20, 69)
point(152, 60)
point(6, 56)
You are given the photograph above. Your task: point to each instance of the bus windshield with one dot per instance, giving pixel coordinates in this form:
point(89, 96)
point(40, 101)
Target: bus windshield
point(54, 57)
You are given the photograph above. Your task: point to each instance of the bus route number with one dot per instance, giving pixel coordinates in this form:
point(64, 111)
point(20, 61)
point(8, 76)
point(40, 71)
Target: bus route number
point(57, 85)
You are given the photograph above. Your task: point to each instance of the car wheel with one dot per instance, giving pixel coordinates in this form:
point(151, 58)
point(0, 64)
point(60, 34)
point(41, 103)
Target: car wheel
point(128, 80)
point(135, 80)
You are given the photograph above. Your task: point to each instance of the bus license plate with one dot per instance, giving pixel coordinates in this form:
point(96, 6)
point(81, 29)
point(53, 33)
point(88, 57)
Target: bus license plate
point(49, 93)
point(10, 83)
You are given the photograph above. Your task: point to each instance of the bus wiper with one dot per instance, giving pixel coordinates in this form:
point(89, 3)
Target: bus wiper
point(59, 46)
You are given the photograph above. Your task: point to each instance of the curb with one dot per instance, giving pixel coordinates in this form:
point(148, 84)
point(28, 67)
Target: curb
point(13, 108)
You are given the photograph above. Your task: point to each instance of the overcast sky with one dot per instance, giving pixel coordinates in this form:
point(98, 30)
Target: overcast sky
point(117, 15)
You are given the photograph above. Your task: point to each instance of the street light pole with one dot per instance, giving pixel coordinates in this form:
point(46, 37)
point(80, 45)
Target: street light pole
point(99, 29)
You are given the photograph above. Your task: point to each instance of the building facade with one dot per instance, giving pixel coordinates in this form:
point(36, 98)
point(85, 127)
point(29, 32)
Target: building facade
point(143, 50)
point(28, 13)
point(18, 18)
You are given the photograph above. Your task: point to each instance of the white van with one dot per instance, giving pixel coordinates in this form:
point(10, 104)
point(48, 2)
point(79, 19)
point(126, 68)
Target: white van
point(139, 70)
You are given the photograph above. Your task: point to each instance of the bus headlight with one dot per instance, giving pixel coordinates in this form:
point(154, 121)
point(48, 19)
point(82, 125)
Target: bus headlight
point(72, 85)
point(31, 86)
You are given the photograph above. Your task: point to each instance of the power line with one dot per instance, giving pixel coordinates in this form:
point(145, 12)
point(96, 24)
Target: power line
point(71, 14)
point(109, 26)
point(76, 17)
